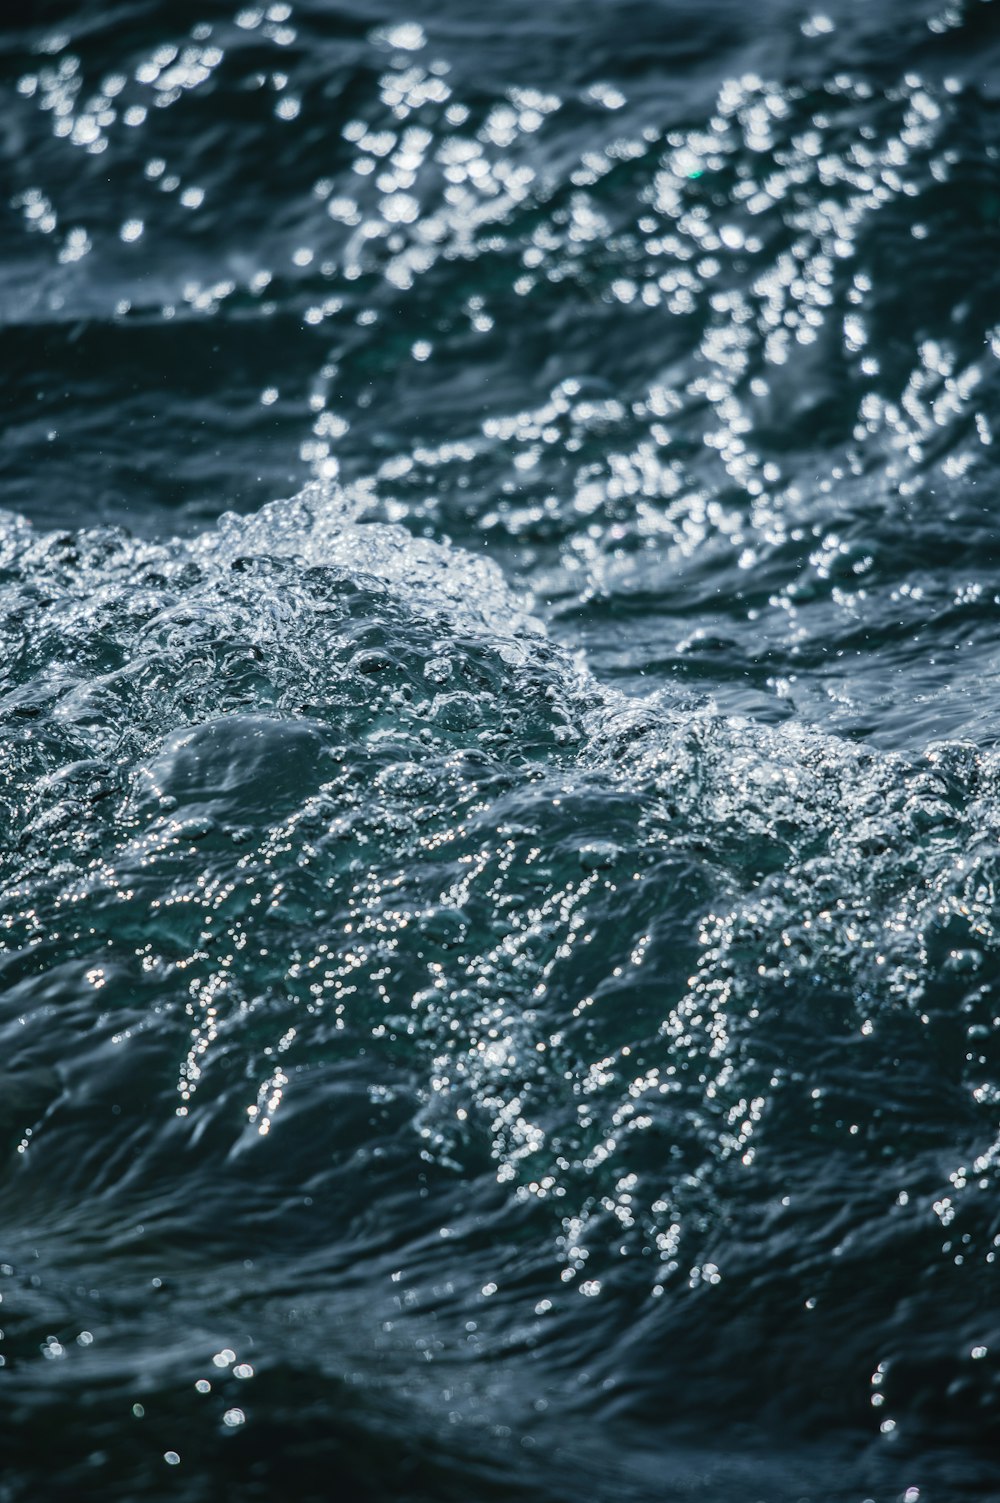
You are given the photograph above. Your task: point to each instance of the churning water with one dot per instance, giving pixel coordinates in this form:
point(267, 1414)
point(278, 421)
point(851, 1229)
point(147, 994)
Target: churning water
point(501, 947)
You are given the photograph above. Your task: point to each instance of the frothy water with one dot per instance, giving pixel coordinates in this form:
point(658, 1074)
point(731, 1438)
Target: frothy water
point(500, 948)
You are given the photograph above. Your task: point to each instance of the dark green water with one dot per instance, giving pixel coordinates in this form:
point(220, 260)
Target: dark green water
point(499, 769)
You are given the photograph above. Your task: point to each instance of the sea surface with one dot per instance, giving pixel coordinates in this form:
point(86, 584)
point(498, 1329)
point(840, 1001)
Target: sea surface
point(500, 751)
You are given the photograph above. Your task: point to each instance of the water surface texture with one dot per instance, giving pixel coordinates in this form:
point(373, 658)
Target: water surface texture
point(499, 752)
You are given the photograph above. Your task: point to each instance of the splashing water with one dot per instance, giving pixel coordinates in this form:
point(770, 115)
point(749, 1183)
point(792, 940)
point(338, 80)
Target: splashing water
point(500, 949)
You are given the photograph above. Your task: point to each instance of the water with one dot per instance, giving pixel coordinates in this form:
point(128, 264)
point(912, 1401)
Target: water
point(500, 606)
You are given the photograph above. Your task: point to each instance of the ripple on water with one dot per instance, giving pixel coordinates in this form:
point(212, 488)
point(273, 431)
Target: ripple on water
point(714, 370)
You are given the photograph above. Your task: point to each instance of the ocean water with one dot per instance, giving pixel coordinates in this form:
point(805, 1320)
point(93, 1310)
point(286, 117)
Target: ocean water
point(500, 620)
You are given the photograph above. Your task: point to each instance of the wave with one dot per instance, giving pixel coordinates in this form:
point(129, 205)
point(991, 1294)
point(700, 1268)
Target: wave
point(396, 997)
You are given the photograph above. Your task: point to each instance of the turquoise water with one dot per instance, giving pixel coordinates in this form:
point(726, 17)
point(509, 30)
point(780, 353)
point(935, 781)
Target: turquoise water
point(500, 605)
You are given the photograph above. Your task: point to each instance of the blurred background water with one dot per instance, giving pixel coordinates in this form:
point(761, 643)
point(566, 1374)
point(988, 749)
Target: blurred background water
point(500, 619)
